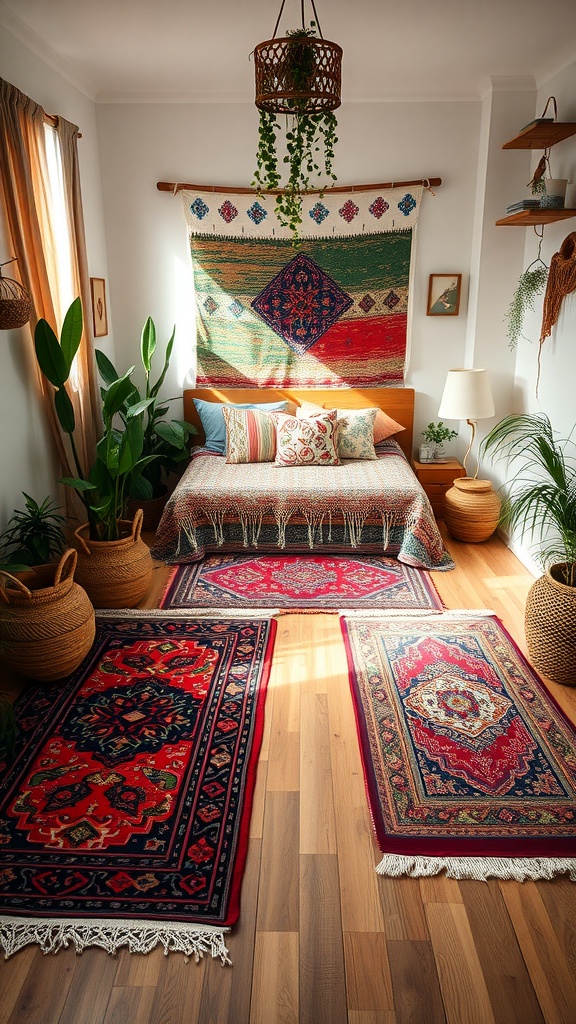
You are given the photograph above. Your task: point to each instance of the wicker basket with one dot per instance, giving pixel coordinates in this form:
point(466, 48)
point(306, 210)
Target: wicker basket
point(47, 623)
point(276, 91)
point(115, 573)
point(15, 304)
point(550, 627)
point(152, 509)
point(471, 510)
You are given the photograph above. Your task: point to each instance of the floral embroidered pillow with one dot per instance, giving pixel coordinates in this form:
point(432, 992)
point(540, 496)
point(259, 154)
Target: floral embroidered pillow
point(307, 441)
point(250, 435)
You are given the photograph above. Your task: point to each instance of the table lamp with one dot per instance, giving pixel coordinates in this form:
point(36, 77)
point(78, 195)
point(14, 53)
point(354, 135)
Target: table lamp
point(467, 396)
point(471, 507)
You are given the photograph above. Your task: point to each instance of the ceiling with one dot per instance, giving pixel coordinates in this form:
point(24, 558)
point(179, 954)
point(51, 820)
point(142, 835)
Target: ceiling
point(196, 50)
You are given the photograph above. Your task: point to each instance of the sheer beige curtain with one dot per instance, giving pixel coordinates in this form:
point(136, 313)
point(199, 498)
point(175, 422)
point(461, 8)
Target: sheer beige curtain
point(28, 214)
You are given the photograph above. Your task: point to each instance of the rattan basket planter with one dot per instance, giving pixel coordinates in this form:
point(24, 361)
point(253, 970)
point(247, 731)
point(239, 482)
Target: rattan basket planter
point(471, 510)
point(152, 509)
point(276, 89)
point(47, 622)
point(550, 627)
point(15, 304)
point(115, 573)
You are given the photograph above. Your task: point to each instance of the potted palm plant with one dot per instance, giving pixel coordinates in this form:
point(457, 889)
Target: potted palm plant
point(114, 564)
point(541, 502)
point(33, 536)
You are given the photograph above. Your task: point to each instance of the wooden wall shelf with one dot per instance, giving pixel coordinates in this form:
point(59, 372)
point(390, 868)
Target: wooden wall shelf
point(542, 135)
point(524, 218)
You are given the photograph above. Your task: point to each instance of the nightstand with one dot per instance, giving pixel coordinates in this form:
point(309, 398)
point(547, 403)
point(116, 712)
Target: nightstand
point(436, 478)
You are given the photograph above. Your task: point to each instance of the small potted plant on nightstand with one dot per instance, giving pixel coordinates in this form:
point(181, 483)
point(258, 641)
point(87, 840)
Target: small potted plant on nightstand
point(435, 436)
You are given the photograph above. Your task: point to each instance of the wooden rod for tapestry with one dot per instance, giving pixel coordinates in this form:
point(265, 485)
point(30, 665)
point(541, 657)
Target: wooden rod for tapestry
point(176, 186)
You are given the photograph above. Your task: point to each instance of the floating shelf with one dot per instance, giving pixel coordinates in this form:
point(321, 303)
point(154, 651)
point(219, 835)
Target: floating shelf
point(542, 135)
point(524, 218)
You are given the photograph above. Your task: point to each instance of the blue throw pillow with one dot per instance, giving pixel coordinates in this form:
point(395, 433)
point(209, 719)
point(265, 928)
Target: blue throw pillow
point(212, 419)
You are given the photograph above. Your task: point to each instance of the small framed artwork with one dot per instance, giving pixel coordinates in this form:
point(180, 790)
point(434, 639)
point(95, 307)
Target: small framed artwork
point(99, 314)
point(444, 294)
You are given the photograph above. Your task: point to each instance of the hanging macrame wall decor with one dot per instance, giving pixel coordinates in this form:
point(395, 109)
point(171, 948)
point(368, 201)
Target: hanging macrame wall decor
point(561, 282)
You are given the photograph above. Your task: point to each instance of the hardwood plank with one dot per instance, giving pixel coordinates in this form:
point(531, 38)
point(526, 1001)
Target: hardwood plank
point(279, 880)
point(371, 1017)
point(507, 979)
point(129, 1004)
point(138, 970)
point(415, 985)
point(178, 993)
point(89, 994)
point(13, 974)
point(317, 822)
point(403, 909)
point(547, 962)
point(322, 986)
point(559, 898)
point(275, 986)
point(284, 715)
point(440, 889)
point(43, 994)
point(242, 938)
point(464, 992)
point(368, 981)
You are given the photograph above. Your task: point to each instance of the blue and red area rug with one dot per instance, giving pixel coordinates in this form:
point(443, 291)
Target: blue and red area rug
point(316, 582)
point(124, 817)
point(470, 765)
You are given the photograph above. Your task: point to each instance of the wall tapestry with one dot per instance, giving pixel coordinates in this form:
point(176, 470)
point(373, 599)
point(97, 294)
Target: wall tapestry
point(328, 312)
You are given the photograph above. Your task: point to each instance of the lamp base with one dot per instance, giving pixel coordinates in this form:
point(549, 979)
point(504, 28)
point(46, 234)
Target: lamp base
point(471, 510)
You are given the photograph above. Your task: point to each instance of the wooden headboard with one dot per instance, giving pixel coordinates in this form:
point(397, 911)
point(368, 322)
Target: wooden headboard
point(397, 402)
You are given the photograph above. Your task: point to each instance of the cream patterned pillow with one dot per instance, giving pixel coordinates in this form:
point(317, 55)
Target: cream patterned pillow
point(307, 442)
point(356, 433)
point(250, 435)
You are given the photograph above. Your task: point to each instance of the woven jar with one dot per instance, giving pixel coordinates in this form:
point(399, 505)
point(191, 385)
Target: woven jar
point(152, 509)
point(550, 626)
point(471, 510)
point(47, 623)
point(115, 573)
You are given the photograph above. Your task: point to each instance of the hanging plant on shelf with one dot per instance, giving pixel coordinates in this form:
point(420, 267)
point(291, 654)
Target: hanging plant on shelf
point(531, 284)
point(297, 76)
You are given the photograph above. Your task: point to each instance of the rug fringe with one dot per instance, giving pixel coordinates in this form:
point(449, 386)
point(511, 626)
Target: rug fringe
point(186, 613)
point(194, 940)
point(480, 869)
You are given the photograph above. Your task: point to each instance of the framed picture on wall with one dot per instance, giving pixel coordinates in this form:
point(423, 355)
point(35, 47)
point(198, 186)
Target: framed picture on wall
point(444, 294)
point(99, 313)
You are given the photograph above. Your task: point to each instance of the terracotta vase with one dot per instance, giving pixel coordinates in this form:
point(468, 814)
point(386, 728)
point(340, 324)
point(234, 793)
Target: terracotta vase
point(47, 622)
point(550, 626)
point(115, 573)
point(471, 510)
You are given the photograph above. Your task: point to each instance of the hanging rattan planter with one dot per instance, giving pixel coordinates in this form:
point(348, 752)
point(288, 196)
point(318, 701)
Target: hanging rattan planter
point(298, 73)
point(15, 303)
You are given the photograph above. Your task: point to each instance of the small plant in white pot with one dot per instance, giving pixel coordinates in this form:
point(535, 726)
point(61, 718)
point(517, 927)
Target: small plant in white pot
point(435, 436)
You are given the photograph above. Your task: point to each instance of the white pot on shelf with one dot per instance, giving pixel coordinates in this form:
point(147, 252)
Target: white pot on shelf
point(555, 193)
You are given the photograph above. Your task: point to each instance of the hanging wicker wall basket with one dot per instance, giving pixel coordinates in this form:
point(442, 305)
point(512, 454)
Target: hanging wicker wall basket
point(15, 304)
point(298, 75)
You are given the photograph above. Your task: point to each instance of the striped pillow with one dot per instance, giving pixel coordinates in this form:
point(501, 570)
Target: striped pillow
point(250, 435)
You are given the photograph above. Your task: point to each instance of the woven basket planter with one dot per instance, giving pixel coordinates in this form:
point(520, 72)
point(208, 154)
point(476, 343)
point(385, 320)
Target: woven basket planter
point(276, 90)
point(471, 510)
point(47, 622)
point(115, 573)
point(15, 304)
point(550, 627)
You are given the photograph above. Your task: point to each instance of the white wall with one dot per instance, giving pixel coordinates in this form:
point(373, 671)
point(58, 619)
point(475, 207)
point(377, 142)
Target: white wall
point(26, 463)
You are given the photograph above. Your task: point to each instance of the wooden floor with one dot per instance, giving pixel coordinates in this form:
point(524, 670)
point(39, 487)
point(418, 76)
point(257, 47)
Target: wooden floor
point(323, 939)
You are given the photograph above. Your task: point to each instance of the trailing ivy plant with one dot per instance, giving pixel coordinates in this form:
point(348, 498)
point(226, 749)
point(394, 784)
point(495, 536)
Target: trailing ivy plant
point(531, 283)
point(310, 141)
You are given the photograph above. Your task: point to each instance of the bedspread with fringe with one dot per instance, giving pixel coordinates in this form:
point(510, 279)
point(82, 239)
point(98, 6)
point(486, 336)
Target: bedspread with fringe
point(360, 506)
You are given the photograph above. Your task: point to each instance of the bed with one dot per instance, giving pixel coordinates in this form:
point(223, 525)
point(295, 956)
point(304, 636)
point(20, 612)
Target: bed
point(362, 506)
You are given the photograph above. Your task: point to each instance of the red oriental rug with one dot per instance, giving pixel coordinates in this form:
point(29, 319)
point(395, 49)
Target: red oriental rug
point(124, 816)
point(317, 582)
point(470, 765)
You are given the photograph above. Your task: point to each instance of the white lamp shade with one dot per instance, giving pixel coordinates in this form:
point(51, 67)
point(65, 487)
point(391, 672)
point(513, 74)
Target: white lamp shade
point(467, 396)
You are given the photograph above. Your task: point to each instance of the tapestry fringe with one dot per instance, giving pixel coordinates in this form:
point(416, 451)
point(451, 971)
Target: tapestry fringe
point(480, 869)
point(194, 940)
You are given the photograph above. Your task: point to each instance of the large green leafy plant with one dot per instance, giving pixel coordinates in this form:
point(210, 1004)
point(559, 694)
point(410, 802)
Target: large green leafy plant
point(102, 487)
point(541, 498)
point(310, 140)
point(164, 443)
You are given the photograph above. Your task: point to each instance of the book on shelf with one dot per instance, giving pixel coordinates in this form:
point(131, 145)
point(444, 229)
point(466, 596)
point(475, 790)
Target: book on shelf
point(523, 204)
